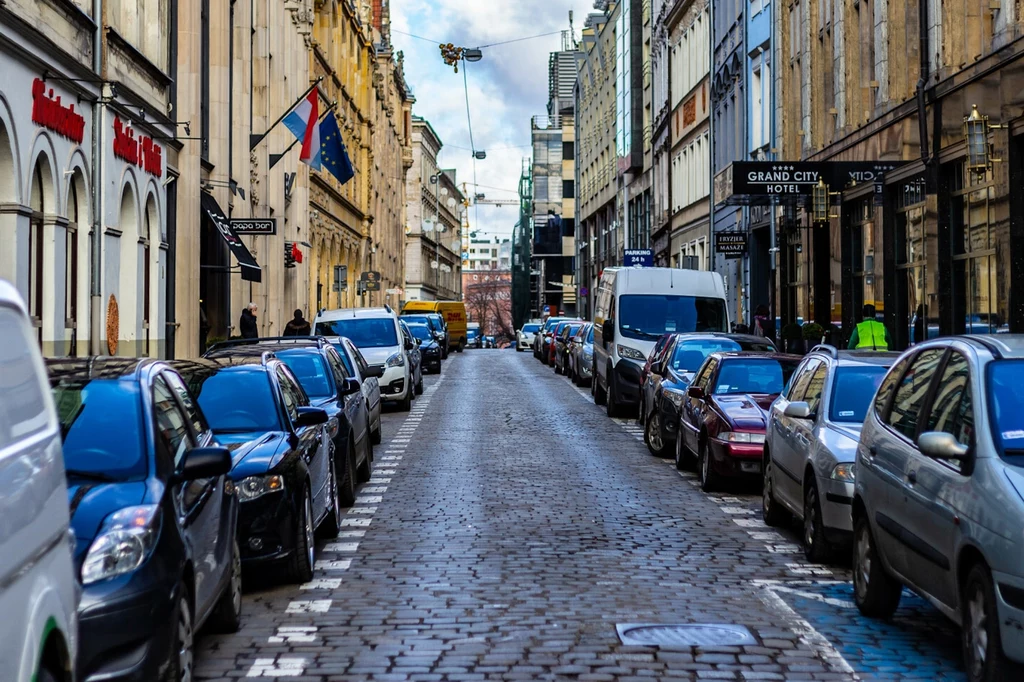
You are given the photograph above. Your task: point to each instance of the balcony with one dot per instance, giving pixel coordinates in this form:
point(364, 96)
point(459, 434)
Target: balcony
point(545, 122)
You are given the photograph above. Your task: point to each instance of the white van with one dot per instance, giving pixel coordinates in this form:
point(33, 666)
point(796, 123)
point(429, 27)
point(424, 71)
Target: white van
point(38, 591)
point(637, 306)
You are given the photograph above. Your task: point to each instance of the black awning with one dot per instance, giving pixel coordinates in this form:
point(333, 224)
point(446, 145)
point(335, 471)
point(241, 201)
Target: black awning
point(250, 268)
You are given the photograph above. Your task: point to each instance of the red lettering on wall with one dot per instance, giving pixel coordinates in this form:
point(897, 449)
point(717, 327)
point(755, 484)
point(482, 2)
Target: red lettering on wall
point(48, 112)
point(141, 152)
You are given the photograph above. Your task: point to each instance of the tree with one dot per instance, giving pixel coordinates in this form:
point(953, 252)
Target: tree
point(488, 298)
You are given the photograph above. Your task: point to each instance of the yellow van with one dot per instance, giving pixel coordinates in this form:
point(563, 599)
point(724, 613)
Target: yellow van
point(454, 313)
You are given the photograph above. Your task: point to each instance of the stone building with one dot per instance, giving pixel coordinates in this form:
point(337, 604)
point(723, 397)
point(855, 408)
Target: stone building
point(86, 112)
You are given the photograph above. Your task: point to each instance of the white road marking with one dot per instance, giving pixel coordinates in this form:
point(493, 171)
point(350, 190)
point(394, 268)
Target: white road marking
point(783, 549)
point(369, 499)
point(761, 535)
point(294, 634)
point(377, 481)
point(340, 565)
point(375, 489)
point(282, 667)
point(750, 523)
point(311, 606)
point(362, 510)
point(385, 472)
point(806, 569)
point(341, 547)
point(737, 510)
point(321, 584)
point(359, 523)
point(351, 533)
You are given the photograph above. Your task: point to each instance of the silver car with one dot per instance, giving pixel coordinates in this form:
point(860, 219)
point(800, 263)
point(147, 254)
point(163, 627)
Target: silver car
point(581, 357)
point(811, 445)
point(939, 500)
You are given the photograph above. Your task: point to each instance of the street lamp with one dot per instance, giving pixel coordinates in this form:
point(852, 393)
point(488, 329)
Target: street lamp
point(820, 200)
point(979, 151)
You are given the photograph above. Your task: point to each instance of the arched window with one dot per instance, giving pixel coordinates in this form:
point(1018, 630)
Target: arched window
point(39, 201)
point(71, 276)
point(130, 284)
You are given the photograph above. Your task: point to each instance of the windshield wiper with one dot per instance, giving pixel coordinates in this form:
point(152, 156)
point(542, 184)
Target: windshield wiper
point(641, 332)
point(97, 476)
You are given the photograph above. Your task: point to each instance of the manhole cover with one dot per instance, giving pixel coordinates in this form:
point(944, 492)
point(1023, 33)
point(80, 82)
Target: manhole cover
point(691, 634)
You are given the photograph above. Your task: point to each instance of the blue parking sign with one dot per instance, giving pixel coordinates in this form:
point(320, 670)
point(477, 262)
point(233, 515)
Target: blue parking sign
point(639, 258)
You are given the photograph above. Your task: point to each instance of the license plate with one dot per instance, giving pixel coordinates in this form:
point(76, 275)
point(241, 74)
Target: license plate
point(750, 467)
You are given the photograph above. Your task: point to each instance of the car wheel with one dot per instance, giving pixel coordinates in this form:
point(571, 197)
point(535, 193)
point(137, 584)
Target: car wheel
point(652, 434)
point(706, 472)
point(346, 487)
point(419, 386)
point(406, 404)
point(375, 435)
point(982, 644)
point(182, 659)
point(875, 592)
point(367, 466)
point(227, 615)
point(458, 348)
point(772, 513)
point(684, 459)
point(300, 565)
point(600, 394)
point(817, 548)
point(331, 524)
point(611, 403)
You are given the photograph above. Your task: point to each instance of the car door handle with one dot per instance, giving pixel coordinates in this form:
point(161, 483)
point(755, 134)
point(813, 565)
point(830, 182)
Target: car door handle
point(911, 477)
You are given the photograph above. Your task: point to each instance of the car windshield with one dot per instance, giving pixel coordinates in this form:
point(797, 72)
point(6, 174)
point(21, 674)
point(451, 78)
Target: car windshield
point(421, 332)
point(590, 334)
point(100, 422)
point(531, 328)
point(471, 333)
point(852, 392)
point(340, 347)
point(234, 400)
point(311, 372)
point(753, 375)
point(573, 329)
point(689, 355)
point(365, 332)
point(417, 319)
point(1005, 398)
point(650, 316)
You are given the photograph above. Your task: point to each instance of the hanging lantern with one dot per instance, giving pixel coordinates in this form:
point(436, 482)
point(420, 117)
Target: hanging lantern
point(819, 208)
point(976, 135)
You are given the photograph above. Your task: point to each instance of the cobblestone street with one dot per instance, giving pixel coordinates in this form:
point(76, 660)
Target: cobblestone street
point(509, 526)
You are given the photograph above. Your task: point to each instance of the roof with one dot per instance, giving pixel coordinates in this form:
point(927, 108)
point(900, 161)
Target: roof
point(868, 357)
point(92, 368)
point(756, 354)
point(251, 361)
point(748, 338)
point(353, 313)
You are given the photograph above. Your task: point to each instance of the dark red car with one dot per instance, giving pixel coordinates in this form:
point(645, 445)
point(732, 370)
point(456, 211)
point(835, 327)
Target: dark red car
point(725, 414)
point(551, 347)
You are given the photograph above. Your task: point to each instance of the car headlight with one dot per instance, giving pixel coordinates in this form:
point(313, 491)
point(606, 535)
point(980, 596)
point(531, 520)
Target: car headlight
point(396, 360)
point(676, 397)
point(631, 353)
point(125, 541)
point(257, 486)
point(845, 471)
point(742, 437)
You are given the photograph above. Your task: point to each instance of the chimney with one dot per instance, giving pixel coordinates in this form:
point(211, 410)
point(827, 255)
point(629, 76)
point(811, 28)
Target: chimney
point(378, 14)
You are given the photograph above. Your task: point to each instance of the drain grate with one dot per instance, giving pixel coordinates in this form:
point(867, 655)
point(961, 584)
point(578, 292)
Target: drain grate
point(690, 634)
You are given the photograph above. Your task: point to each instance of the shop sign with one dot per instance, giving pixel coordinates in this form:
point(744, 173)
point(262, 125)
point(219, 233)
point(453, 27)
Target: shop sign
point(800, 177)
point(142, 151)
point(731, 244)
point(638, 258)
point(48, 112)
point(254, 225)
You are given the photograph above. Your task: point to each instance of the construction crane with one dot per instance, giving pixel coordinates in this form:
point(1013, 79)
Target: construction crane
point(482, 199)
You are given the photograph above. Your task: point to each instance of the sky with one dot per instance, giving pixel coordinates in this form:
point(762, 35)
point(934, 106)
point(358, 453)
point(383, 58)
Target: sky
point(506, 88)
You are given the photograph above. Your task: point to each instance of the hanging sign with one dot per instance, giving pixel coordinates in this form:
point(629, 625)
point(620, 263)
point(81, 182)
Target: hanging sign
point(800, 177)
point(254, 225)
point(731, 244)
point(638, 258)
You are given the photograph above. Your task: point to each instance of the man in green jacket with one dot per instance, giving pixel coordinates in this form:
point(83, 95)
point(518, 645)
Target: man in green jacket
point(870, 334)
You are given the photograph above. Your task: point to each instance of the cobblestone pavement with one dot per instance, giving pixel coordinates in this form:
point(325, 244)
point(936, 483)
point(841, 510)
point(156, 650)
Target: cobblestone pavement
point(510, 526)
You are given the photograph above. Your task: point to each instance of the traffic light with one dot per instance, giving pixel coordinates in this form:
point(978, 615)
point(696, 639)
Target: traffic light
point(289, 254)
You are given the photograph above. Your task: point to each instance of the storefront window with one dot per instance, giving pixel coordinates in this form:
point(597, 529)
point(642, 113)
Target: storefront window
point(862, 235)
point(916, 258)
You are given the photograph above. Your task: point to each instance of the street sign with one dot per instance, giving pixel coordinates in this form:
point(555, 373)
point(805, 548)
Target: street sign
point(370, 285)
point(800, 177)
point(340, 278)
point(731, 244)
point(254, 225)
point(639, 257)
point(370, 276)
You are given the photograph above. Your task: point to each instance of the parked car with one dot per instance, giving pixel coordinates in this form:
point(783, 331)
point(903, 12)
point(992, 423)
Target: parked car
point(634, 308)
point(542, 351)
point(723, 419)
point(526, 335)
point(454, 313)
point(430, 350)
point(811, 445)
point(435, 323)
point(378, 336)
point(445, 341)
point(39, 592)
point(412, 349)
point(581, 357)
point(664, 389)
point(322, 374)
point(939, 494)
point(154, 516)
point(562, 344)
point(283, 459)
point(473, 337)
point(367, 375)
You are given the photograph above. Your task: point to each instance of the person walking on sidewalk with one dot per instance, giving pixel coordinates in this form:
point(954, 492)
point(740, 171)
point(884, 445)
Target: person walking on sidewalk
point(247, 326)
point(298, 326)
point(870, 334)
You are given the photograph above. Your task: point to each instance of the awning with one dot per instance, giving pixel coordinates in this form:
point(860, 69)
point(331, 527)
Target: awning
point(250, 268)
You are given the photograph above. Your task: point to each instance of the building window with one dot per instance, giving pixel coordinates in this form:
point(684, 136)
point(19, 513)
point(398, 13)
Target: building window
point(568, 188)
point(862, 248)
point(915, 249)
point(756, 110)
point(568, 151)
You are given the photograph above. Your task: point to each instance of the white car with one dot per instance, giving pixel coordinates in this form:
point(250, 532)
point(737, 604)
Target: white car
point(38, 590)
point(378, 336)
point(526, 335)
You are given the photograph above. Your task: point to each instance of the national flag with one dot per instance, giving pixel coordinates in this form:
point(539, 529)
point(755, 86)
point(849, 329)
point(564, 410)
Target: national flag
point(333, 154)
point(302, 121)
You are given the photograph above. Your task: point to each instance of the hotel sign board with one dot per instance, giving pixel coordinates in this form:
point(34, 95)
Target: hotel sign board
point(775, 178)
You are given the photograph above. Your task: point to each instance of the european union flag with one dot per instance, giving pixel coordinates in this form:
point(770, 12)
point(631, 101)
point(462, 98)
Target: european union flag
point(333, 156)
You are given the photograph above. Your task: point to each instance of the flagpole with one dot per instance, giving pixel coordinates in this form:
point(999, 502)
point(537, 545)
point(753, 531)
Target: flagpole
point(274, 158)
point(256, 139)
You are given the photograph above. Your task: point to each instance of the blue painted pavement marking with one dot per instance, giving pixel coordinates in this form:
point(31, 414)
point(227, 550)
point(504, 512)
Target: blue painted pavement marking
point(919, 642)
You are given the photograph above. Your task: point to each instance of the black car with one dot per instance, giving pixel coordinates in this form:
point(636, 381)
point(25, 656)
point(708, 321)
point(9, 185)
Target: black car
point(154, 516)
point(283, 459)
point(664, 389)
point(437, 328)
point(430, 350)
point(322, 375)
point(412, 349)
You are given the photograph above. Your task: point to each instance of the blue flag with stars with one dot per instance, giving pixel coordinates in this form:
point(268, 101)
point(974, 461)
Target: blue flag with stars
point(333, 156)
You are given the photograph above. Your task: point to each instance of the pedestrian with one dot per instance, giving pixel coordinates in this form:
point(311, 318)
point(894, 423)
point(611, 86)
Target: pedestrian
point(763, 325)
point(870, 333)
point(247, 326)
point(298, 326)
point(920, 325)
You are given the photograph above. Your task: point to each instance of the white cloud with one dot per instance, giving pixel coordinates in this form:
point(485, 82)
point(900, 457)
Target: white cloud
point(506, 88)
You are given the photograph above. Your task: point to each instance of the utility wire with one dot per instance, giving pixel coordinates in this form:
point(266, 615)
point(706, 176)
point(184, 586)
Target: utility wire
point(412, 35)
point(469, 122)
point(479, 47)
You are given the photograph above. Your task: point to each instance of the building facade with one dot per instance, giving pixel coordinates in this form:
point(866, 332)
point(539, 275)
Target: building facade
point(85, 165)
point(434, 209)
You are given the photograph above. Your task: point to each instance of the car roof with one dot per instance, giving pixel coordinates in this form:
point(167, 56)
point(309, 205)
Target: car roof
point(1010, 346)
point(746, 338)
point(99, 367)
point(727, 355)
point(251, 361)
point(9, 295)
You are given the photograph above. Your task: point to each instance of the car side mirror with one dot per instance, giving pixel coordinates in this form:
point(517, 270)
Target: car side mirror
point(941, 445)
point(205, 463)
point(375, 371)
point(351, 386)
point(608, 330)
point(409, 345)
point(798, 410)
point(695, 392)
point(311, 416)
